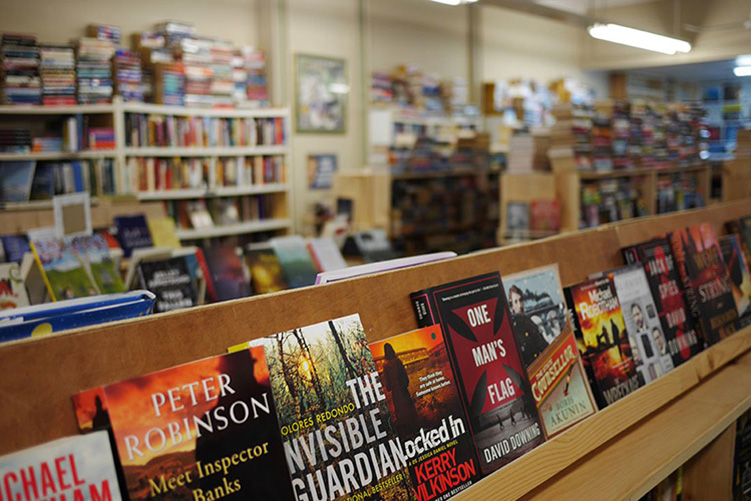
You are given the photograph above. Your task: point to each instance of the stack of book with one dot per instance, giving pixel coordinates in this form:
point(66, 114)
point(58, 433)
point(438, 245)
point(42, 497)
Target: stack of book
point(257, 87)
point(528, 152)
point(195, 55)
point(621, 135)
point(94, 72)
point(101, 138)
point(20, 70)
point(58, 72)
point(128, 76)
point(570, 138)
point(239, 78)
point(105, 32)
point(381, 90)
point(15, 140)
point(46, 144)
point(602, 136)
point(175, 31)
point(169, 84)
point(222, 82)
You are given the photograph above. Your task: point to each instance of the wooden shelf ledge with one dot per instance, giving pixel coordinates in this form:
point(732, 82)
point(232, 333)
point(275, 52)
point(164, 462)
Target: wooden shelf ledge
point(685, 408)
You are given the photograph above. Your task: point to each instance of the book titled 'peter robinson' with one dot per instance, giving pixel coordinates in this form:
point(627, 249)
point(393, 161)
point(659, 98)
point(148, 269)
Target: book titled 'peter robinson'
point(339, 439)
point(201, 431)
point(424, 400)
point(500, 407)
point(75, 468)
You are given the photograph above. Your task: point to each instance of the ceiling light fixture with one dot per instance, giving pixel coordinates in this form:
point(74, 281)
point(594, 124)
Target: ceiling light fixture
point(742, 71)
point(637, 38)
point(744, 60)
point(454, 2)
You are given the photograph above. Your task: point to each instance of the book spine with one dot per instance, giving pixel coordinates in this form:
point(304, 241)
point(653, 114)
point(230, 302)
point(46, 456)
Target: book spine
point(586, 362)
point(423, 308)
point(630, 254)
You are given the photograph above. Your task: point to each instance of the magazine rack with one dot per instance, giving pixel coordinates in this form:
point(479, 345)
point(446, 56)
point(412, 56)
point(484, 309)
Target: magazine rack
point(619, 453)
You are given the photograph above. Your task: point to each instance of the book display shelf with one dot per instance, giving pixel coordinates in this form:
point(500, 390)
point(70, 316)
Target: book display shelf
point(232, 165)
point(684, 418)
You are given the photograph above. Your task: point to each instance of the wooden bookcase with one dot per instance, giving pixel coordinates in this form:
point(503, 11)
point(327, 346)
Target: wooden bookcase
point(621, 452)
point(114, 115)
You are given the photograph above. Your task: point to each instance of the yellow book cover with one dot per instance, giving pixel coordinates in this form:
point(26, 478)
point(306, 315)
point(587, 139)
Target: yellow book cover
point(164, 232)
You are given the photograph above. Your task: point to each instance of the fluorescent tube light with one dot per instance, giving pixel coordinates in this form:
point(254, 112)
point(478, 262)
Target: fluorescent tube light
point(742, 71)
point(637, 38)
point(454, 2)
point(744, 60)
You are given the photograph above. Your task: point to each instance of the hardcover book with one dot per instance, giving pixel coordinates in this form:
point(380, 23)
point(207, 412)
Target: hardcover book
point(12, 289)
point(500, 407)
point(298, 266)
point(199, 431)
point(706, 280)
point(75, 468)
point(227, 274)
point(133, 233)
point(603, 340)
point(424, 401)
point(548, 348)
point(266, 272)
point(740, 278)
point(669, 297)
point(338, 435)
point(649, 347)
point(170, 281)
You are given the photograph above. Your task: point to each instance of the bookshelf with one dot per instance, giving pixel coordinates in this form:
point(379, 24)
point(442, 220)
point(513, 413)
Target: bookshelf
point(225, 139)
point(620, 452)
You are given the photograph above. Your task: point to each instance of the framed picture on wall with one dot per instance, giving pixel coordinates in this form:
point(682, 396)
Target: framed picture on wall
point(321, 170)
point(321, 91)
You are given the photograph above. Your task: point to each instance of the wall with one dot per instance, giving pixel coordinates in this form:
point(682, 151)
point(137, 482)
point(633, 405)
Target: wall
point(62, 20)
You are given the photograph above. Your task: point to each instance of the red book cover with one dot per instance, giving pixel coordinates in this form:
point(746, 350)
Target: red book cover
point(424, 401)
point(706, 280)
point(495, 391)
point(198, 431)
point(545, 216)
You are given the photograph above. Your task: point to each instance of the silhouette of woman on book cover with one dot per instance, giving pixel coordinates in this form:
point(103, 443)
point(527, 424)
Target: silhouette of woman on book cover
point(396, 381)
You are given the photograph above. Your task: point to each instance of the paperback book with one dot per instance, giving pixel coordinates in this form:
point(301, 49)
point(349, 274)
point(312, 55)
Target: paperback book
point(706, 280)
point(424, 401)
point(602, 339)
point(75, 468)
point(63, 266)
point(548, 348)
point(199, 431)
point(649, 347)
point(669, 297)
point(12, 288)
point(266, 272)
point(740, 279)
point(298, 266)
point(338, 435)
point(133, 233)
point(170, 280)
point(501, 409)
point(227, 273)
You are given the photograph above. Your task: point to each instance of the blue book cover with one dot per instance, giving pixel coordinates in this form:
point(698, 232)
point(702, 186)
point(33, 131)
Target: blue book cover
point(15, 247)
point(15, 180)
point(44, 319)
point(133, 233)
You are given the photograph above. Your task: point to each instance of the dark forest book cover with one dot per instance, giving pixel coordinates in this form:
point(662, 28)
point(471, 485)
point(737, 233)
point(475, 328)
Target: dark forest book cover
point(200, 431)
point(676, 319)
point(548, 348)
point(494, 388)
point(424, 401)
point(705, 277)
point(339, 439)
point(602, 339)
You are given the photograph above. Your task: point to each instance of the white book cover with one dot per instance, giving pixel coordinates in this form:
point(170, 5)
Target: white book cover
point(12, 289)
point(390, 265)
point(78, 467)
point(326, 254)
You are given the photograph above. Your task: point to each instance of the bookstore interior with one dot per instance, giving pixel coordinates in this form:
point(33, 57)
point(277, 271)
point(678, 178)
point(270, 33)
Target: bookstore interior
point(402, 249)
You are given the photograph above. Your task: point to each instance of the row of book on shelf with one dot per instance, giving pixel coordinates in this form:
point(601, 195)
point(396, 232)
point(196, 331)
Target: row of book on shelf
point(497, 367)
point(170, 65)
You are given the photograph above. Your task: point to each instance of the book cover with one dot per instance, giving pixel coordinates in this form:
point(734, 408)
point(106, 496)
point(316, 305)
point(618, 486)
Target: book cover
point(545, 216)
point(476, 323)
point(133, 233)
point(424, 401)
point(742, 458)
point(71, 468)
point(63, 267)
point(171, 282)
point(164, 232)
point(15, 180)
point(12, 289)
point(104, 269)
point(548, 349)
point(371, 268)
point(649, 346)
point(199, 431)
point(326, 255)
point(15, 246)
point(517, 217)
point(44, 319)
point(298, 266)
point(266, 272)
point(338, 435)
point(227, 273)
point(669, 297)
point(706, 280)
point(602, 339)
point(740, 279)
